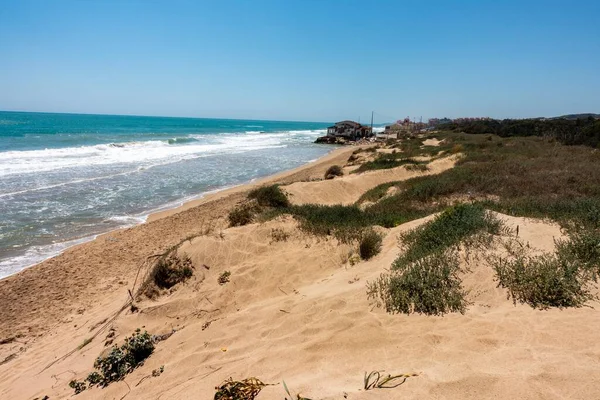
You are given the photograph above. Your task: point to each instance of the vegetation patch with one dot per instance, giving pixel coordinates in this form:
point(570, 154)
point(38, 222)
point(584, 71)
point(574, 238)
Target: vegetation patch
point(370, 244)
point(243, 214)
point(417, 167)
point(346, 223)
point(430, 285)
point(269, 196)
point(168, 271)
point(563, 279)
point(386, 161)
point(246, 389)
point(425, 278)
point(333, 171)
point(119, 362)
point(453, 226)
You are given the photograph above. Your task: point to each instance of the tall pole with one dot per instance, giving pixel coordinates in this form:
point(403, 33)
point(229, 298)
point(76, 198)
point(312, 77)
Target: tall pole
point(372, 122)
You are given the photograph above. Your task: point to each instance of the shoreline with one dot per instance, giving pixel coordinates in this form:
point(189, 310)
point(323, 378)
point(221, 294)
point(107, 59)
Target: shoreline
point(101, 268)
point(217, 194)
point(169, 209)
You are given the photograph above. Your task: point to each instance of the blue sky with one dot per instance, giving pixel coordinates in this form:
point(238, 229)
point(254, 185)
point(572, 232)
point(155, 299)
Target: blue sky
point(313, 60)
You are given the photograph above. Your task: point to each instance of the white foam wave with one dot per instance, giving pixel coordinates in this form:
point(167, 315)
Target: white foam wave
point(139, 153)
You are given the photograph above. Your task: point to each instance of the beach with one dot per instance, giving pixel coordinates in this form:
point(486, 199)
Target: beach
point(66, 178)
point(295, 310)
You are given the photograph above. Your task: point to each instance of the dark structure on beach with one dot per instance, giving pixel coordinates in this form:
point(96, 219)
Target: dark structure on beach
point(349, 130)
point(345, 131)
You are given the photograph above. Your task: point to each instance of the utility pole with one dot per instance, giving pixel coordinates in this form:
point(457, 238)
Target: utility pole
point(372, 122)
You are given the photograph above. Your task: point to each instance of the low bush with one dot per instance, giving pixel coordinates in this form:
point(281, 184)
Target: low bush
point(425, 278)
point(242, 215)
point(269, 196)
point(171, 271)
point(370, 244)
point(119, 362)
point(430, 285)
point(544, 281)
point(346, 223)
point(583, 246)
point(333, 171)
point(167, 271)
point(448, 229)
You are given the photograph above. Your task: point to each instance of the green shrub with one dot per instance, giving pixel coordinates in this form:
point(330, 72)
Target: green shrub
point(119, 362)
point(122, 360)
point(583, 246)
point(333, 171)
point(171, 271)
point(386, 161)
point(346, 223)
point(370, 244)
point(548, 280)
point(448, 229)
point(430, 285)
point(269, 196)
point(242, 215)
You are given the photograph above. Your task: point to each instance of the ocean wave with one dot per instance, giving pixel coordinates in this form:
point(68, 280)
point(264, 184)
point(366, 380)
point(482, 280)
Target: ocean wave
point(144, 153)
point(182, 140)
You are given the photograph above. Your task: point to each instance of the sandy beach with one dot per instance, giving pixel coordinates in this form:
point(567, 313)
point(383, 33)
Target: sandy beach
point(294, 310)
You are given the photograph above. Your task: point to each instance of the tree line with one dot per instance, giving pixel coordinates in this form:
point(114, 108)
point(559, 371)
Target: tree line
point(581, 131)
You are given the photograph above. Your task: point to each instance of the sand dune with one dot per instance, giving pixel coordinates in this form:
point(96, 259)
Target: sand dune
point(348, 189)
point(297, 310)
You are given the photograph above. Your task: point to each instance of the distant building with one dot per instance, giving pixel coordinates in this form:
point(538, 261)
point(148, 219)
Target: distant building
point(403, 128)
point(437, 121)
point(349, 130)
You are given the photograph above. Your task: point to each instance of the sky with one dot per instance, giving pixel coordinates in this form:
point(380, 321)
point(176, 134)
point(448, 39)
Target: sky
point(304, 60)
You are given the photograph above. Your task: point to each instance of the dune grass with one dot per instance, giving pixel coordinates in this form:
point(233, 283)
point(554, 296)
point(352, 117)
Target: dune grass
point(560, 279)
point(425, 277)
point(387, 161)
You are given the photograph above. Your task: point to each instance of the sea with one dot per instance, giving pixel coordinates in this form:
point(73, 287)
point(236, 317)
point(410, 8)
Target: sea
point(65, 178)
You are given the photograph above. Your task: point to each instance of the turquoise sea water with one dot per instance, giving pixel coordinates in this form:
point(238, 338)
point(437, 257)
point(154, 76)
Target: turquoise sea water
point(67, 177)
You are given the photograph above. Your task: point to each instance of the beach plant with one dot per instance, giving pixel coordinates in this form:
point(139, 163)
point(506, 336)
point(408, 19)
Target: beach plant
point(246, 389)
point(172, 270)
point(430, 285)
point(333, 171)
point(122, 360)
point(224, 278)
point(454, 225)
point(561, 279)
point(370, 244)
point(425, 278)
point(374, 380)
point(269, 196)
point(386, 161)
point(119, 362)
point(242, 215)
point(583, 247)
